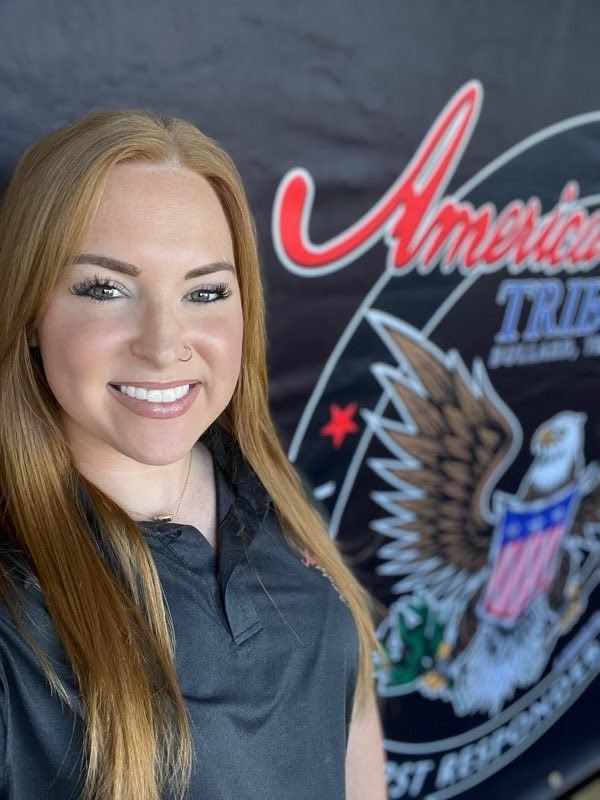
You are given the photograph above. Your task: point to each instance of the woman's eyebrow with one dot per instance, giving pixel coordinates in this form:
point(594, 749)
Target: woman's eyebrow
point(131, 269)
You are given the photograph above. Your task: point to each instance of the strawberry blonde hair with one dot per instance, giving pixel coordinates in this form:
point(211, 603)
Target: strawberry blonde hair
point(99, 582)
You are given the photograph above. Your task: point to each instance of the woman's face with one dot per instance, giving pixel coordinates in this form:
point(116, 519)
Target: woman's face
point(161, 223)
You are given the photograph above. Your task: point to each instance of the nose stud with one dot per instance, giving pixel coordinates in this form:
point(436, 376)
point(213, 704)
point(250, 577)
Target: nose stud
point(190, 355)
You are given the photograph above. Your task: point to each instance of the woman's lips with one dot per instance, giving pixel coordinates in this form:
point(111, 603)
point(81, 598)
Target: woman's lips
point(156, 410)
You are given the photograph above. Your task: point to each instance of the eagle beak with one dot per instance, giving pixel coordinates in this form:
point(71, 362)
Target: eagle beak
point(546, 436)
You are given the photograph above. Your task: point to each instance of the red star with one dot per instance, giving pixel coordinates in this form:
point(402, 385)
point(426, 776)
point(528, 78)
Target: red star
point(340, 423)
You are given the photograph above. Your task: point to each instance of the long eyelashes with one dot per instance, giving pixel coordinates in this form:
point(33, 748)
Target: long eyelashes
point(84, 289)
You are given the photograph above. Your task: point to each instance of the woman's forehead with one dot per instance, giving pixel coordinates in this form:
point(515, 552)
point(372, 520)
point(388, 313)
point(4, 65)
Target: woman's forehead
point(151, 186)
point(162, 212)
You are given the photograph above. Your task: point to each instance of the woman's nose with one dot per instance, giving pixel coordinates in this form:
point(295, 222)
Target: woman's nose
point(160, 337)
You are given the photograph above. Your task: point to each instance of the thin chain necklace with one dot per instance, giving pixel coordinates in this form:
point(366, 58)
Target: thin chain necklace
point(166, 517)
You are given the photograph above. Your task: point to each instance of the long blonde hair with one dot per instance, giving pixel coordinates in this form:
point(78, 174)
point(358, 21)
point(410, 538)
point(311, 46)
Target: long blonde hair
point(109, 613)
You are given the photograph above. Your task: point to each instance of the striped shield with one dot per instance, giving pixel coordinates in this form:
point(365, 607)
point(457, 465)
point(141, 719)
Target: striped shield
point(524, 555)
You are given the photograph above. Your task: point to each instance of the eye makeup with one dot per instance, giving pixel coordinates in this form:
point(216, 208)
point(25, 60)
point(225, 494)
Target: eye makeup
point(84, 288)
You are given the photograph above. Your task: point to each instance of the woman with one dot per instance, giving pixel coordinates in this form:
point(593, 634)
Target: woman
point(176, 621)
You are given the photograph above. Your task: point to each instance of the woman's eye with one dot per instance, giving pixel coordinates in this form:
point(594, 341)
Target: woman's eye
point(87, 287)
point(218, 292)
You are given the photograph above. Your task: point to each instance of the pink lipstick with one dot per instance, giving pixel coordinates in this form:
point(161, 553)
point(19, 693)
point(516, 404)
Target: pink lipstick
point(157, 410)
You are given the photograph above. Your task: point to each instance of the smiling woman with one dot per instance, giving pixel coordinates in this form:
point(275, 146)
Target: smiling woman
point(152, 222)
point(184, 643)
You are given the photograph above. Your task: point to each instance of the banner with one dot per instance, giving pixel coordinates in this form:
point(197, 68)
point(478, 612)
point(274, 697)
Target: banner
point(452, 438)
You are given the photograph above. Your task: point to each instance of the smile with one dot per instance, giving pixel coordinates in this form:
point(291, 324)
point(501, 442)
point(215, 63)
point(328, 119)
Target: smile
point(156, 403)
point(156, 395)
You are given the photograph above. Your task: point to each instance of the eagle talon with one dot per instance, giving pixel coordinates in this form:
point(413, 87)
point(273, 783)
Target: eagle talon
point(573, 590)
point(443, 651)
point(570, 615)
point(434, 681)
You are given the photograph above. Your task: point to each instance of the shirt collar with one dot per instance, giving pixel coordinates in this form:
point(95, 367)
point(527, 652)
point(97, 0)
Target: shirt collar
point(242, 506)
point(242, 500)
point(235, 471)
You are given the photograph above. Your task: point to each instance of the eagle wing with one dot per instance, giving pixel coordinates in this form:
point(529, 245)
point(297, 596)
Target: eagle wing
point(454, 441)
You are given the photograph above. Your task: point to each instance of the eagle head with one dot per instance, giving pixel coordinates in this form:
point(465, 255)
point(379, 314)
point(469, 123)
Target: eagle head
point(557, 447)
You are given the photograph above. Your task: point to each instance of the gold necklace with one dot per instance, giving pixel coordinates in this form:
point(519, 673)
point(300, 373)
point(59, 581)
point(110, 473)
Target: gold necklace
point(166, 517)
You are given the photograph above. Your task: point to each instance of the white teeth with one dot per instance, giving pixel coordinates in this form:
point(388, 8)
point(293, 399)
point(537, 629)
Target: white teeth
point(156, 395)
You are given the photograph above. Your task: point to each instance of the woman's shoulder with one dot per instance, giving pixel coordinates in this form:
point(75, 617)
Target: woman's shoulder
point(23, 614)
point(16, 596)
point(16, 573)
point(18, 584)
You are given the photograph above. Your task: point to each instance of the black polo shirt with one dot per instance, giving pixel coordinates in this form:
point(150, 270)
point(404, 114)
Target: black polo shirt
point(266, 657)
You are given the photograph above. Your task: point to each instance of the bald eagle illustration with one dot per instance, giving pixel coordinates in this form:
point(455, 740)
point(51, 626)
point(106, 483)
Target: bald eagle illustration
point(557, 449)
point(509, 574)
